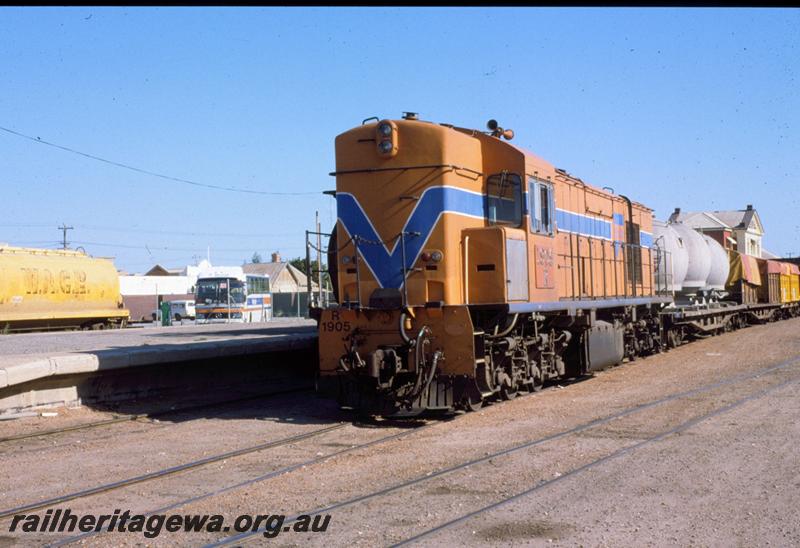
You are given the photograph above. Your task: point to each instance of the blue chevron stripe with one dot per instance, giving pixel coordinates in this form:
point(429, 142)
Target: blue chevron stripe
point(386, 265)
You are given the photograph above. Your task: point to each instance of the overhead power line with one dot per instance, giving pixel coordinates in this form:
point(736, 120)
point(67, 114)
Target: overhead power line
point(137, 230)
point(153, 173)
point(169, 248)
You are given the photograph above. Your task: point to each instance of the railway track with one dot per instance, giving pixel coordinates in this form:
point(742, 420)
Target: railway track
point(264, 477)
point(285, 470)
point(597, 462)
point(166, 471)
point(117, 419)
point(238, 538)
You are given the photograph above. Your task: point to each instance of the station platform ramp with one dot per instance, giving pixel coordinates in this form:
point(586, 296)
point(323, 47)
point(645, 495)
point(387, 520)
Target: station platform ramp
point(39, 370)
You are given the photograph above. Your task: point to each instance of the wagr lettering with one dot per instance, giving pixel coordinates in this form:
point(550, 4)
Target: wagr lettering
point(43, 282)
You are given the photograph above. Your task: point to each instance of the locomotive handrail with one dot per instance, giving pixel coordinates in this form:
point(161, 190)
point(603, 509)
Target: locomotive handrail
point(378, 242)
point(403, 266)
point(358, 276)
point(466, 269)
point(583, 268)
point(454, 167)
point(310, 270)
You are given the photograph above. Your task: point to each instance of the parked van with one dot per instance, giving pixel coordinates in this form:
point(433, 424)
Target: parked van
point(182, 309)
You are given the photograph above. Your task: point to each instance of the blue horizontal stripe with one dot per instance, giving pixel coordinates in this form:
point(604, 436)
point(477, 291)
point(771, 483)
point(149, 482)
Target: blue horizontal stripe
point(581, 224)
point(592, 227)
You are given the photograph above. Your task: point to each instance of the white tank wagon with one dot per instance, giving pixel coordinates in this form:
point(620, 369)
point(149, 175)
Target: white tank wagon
point(672, 259)
point(699, 259)
point(690, 262)
point(720, 266)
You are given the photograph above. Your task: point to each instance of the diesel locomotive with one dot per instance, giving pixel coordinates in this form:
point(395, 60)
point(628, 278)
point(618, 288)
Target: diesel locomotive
point(468, 269)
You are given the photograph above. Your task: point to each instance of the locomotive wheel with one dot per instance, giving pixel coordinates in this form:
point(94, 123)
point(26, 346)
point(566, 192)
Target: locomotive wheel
point(470, 404)
point(673, 339)
point(507, 391)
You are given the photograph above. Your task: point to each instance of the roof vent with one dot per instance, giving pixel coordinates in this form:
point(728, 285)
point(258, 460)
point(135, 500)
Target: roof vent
point(410, 116)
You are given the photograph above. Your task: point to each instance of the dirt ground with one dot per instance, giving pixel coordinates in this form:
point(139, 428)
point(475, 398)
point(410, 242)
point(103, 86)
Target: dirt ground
point(717, 465)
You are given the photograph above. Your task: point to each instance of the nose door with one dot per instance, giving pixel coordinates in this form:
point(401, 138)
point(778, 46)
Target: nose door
point(516, 266)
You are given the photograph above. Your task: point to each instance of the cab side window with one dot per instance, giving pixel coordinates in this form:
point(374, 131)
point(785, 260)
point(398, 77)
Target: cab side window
point(504, 199)
point(542, 206)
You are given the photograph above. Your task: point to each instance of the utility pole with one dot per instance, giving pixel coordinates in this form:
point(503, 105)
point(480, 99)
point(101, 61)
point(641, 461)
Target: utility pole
point(319, 263)
point(64, 229)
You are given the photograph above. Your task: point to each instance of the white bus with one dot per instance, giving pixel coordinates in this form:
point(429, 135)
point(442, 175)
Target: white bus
point(226, 294)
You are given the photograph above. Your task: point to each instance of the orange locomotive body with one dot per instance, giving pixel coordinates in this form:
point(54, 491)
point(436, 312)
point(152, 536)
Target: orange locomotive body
point(466, 268)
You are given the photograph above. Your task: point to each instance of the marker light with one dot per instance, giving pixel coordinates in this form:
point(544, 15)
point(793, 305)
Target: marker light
point(437, 256)
point(425, 256)
point(346, 259)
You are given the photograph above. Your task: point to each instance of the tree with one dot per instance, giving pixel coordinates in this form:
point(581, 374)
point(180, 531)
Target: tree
point(300, 264)
point(256, 258)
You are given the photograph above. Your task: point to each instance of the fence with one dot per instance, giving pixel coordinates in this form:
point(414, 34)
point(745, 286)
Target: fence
point(293, 305)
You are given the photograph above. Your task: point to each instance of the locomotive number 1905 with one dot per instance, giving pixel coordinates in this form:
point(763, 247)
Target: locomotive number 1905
point(335, 324)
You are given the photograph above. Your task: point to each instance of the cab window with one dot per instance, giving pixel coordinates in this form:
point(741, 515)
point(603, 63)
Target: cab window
point(504, 199)
point(542, 206)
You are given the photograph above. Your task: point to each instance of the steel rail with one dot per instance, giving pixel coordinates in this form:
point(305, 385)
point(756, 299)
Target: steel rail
point(166, 471)
point(526, 445)
point(602, 460)
point(263, 477)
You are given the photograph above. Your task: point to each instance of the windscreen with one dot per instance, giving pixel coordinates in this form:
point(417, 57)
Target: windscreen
point(217, 290)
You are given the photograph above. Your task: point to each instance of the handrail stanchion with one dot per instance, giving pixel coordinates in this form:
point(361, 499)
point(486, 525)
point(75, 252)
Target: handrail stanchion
point(358, 275)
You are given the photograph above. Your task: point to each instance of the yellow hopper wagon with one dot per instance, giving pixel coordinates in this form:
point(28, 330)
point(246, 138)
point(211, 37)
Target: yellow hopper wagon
point(53, 289)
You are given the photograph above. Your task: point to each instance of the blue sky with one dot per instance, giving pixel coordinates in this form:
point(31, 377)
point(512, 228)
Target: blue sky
point(695, 108)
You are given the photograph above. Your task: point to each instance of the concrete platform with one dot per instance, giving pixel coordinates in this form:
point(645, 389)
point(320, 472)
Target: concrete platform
point(31, 358)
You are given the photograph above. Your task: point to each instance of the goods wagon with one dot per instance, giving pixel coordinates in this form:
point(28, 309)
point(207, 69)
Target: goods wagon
point(49, 289)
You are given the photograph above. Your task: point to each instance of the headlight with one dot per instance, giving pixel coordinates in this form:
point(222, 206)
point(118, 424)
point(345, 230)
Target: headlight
point(386, 138)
